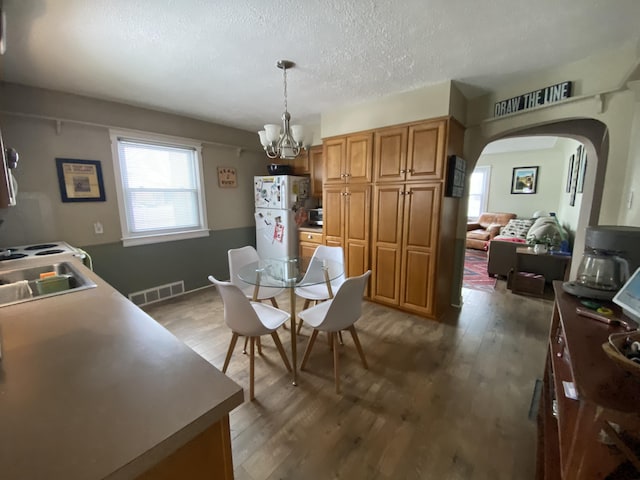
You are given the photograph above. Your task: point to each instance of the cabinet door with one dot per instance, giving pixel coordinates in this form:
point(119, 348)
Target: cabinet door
point(386, 243)
point(357, 210)
point(301, 164)
point(307, 249)
point(316, 166)
point(390, 154)
point(419, 241)
point(334, 154)
point(358, 159)
point(333, 214)
point(426, 151)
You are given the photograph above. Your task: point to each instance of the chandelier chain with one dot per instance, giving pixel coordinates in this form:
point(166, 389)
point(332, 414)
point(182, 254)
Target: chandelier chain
point(284, 73)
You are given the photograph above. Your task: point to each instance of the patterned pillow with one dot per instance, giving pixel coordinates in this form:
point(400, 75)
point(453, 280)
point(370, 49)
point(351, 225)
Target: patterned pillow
point(517, 227)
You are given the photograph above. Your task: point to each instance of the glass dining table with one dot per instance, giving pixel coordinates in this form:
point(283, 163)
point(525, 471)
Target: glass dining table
point(291, 273)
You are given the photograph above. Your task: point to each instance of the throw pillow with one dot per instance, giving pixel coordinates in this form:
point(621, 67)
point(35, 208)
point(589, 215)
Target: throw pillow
point(517, 227)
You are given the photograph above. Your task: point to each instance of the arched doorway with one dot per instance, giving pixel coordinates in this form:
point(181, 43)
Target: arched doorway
point(593, 134)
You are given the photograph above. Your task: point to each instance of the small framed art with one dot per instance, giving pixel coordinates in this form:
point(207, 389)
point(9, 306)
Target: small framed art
point(524, 180)
point(80, 180)
point(227, 177)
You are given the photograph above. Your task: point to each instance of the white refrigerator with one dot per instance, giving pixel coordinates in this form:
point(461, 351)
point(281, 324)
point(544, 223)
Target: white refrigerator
point(279, 201)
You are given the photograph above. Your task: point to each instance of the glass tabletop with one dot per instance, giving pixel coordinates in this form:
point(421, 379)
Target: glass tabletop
point(290, 272)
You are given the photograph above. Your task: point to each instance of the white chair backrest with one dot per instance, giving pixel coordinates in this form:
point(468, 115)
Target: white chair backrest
point(322, 252)
point(346, 306)
point(238, 258)
point(239, 315)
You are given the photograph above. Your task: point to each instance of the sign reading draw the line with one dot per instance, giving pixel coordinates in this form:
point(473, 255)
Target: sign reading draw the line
point(551, 94)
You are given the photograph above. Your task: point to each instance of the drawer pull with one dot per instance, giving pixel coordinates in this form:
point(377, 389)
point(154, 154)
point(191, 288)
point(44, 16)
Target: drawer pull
point(309, 236)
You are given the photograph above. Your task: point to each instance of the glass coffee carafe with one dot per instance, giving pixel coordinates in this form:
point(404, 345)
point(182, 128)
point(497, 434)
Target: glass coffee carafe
point(602, 270)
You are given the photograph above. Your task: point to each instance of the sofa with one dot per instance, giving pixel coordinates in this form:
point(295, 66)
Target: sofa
point(487, 227)
point(518, 233)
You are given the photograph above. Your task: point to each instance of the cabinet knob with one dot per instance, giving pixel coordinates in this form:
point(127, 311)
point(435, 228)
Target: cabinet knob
point(309, 236)
point(403, 171)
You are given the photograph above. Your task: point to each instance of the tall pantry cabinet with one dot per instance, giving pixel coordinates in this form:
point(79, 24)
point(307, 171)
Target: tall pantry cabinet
point(383, 200)
point(347, 198)
point(413, 224)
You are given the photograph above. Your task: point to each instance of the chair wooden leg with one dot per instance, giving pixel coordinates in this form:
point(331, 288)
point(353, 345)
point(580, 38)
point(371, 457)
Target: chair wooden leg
point(340, 337)
point(354, 335)
point(232, 344)
point(276, 340)
point(251, 366)
point(307, 350)
point(259, 343)
point(336, 369)
point(306, 304)
point(246, 341)
point(300, 322)
point(274, 302)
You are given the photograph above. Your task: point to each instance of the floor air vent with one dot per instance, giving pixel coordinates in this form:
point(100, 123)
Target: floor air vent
point(158, 293)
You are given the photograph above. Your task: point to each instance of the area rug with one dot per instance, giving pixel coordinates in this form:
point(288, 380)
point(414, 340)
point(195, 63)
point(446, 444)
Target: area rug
point(475, 271)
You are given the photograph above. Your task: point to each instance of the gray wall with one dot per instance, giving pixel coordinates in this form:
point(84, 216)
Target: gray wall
point(27, 120)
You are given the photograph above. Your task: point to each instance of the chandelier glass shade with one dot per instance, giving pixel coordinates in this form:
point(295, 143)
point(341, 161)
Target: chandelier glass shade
point(285, 140)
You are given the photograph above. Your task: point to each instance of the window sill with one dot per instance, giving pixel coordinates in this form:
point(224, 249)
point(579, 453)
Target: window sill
point(165, 237)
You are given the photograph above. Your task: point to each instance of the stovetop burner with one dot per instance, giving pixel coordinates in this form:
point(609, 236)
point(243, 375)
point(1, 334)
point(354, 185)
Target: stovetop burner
point(12, 256)
point(42, 246)
point(50, 252)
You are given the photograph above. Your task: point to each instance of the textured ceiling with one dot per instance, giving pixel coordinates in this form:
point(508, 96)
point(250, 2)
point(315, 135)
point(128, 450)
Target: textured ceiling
point(215, 60)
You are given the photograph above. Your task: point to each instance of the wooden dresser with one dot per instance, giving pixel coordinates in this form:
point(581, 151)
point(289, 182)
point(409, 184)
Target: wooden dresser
point(595, 436)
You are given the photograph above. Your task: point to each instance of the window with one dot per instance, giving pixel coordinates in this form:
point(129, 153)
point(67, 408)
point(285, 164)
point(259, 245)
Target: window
point(478, 191)
point(159, 187)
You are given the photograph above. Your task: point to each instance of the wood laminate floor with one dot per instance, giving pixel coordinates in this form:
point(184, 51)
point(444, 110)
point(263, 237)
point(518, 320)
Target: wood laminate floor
point(441, 400)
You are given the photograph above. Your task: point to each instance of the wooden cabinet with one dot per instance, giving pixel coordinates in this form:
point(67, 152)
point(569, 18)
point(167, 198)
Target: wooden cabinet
point(414, 225)
point(348, 159)
point(206, 456)
point(594, 436)
point(301, 165)
point(426, 152)
point(346, 223)
point(411, 246)
point(405, 230)
point(390, 154)
point(309, 240)
point(410, 153)
point(316, 166)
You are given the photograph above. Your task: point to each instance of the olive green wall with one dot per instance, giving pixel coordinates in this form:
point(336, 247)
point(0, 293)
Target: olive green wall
point(133, 269)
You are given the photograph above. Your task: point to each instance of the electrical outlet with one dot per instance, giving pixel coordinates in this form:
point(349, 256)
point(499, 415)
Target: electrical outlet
point(97, 228)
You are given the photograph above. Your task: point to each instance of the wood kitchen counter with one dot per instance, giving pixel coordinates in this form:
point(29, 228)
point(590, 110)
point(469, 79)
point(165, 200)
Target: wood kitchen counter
point(91, 387)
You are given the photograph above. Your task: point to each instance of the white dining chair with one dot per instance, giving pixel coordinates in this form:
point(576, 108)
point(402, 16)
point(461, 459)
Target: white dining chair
point(238, 258)
point(320, 292)
point(339, 313)
point(251, 320)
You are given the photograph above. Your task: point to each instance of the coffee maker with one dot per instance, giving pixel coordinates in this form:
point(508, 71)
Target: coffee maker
point(611, 253)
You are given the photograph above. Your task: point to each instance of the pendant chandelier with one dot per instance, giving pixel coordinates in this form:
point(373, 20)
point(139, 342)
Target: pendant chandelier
point(282, 141)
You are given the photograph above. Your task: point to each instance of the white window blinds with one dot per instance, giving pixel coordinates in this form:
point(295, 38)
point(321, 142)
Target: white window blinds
point(160, 188)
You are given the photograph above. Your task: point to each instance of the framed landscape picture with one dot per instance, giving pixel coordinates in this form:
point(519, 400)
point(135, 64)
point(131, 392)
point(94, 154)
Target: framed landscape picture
point(524, 180)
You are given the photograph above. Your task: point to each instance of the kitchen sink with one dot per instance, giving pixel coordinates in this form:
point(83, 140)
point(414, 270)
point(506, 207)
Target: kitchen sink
point(25, 284)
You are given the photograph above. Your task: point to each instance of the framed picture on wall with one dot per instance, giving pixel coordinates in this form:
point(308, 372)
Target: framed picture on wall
point(227, 177)
point(524, 180)
point(80, 180)
point(581, 172)
point(569, 175)
point(574, 179)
